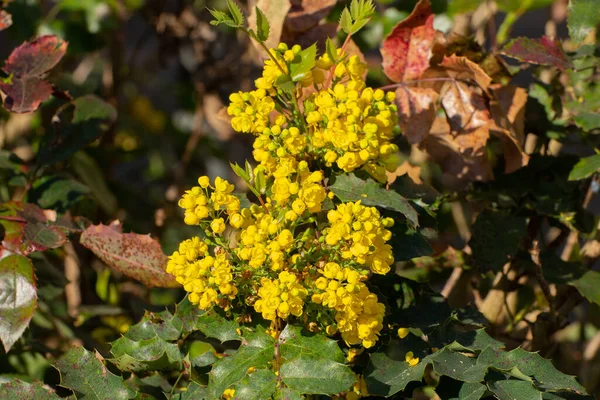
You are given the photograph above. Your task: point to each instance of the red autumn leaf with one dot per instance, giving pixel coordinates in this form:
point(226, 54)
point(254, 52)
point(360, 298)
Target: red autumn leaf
point(416, 112)
point(137, 256)
point(407, 49)
point(27, 64)
point(5, 20)
point(26, 94)
point(542, 51)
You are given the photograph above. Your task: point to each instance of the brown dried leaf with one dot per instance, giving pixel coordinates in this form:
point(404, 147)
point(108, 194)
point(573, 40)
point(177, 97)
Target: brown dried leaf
point(305, 14)
point(138, 256)
point(407, 49)
point(317, 34)
point(406, 168)
point(275, 11)
point(212, 107)
point(461, 68)
point(416, 112)
point(508, 111)
point(463, 156)
point(465, 108)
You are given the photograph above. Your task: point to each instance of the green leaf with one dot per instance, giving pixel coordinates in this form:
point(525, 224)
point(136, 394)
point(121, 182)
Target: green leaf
point(361, 11)
point(388, 372)
point(585, 168)
point(496, 236)
point(257, 351)
point(186, 317)
point(193, 392)
point(56, 192)
point(346, 21)
point(214, 325)
point(588, 285)
point(220, 17)
point(202, 354)
point(288, 394)
point(262, 25)
point(146, 355)
point(315, 375)
point(331, 50)
point(236, 13)
point(259, 385)
point(587, 120)
point(545, 376)
point(470, 391)
point(514, 390)
point(303, 62)
point(18, 389)
point(260, 182)
point(349, 187)
point(85, 373)
point(91, 118)
point(458, 366)
point(40, 236)
point(454, 337)
point(18, 297)
point(295, 342)
point(583, 17)
point(407, 243)
point(240, 172)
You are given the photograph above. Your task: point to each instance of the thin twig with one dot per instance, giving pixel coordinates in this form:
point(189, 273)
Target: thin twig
point(535, 257)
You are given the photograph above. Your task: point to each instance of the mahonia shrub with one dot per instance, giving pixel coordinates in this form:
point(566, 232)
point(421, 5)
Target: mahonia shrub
point(295, 257)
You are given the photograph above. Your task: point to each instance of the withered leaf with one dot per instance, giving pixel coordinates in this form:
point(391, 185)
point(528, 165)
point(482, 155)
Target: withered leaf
point(275, 11)
point(407, 49)
point(416, 111)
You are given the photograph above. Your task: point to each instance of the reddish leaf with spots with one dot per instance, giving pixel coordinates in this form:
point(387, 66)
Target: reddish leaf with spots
point(542, 51)
point(27, 64)
point(407, 49)
point(137, 256)
point(5, 20)
point(416, 112)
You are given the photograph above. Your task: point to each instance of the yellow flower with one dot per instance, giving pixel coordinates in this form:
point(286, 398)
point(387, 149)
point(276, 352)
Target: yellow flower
point(228, 394)
point(411, 359)
point(402, 332)
point(218, 225)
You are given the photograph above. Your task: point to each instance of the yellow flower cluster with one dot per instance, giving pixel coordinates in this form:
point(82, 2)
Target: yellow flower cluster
point(280, 297)
point(359, 315)
point(359, 233)
point(208, 279)
point(342, 122)
point(199, 204)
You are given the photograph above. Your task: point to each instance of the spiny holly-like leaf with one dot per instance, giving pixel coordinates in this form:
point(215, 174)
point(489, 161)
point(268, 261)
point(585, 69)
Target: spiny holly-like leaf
point(545, 376)
point(214, 325)
point(235, 12)
point(293, 343)
point(349, 187)
point(543, 51)
point(5, 20)
point(361, 11)
point(407, 49)
point(18, 297)
point(458, 366)
point(91, 117)
point(582, 19)
point(470, 391)
point(57, 193)
point(26, 64)
point(346, 21)
point(146, 355)
point(85, 373)
point(288, 394)
point(331, 50)
point(316, 375)
point(388, 372)
point(137, 256)
point(416, 112)
point(585, 168)
point(258, 385)
point(257, 351)
point(262, 25)
point(496, 236)
point(17, 389)
point(514, 390)
point(193, 392)
point(457, 339)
